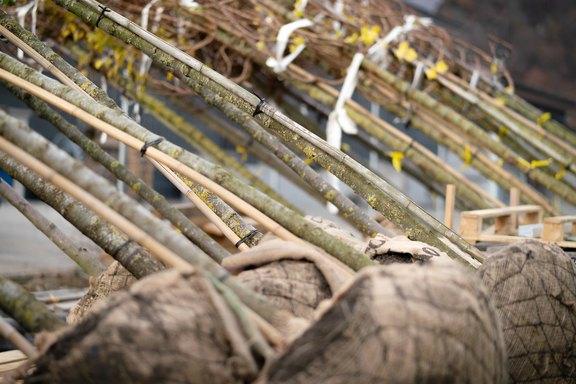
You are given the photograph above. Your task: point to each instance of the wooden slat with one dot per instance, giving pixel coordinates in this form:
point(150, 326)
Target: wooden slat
point(497, 212)
point(10, 360)
point(555, 227)
point(513, 239)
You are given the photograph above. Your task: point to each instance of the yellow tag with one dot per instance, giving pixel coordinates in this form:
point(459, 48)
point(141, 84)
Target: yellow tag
point(369, 35)
point(431, 73)
point(352, 39)
point(524, 163)
point(494, 67)
point(543, 118)
point(345, 147)
point(502, 132)
point(540, 163)
point(500, 162)
point(260, 45)
point(169, 76)
point(397, 160)
point(405, 52)
point(298, 11)
point(441, 67)
point(509, 89)
point(560, 174)
point(99, 63)
point(243, 152)
point(500, 101)
point(467, 154)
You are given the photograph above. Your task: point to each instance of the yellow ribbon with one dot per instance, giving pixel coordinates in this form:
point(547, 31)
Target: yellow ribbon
point(560, 174)
point(540, 163)
point(243, 152)
point(543, 118)
point(397, 160)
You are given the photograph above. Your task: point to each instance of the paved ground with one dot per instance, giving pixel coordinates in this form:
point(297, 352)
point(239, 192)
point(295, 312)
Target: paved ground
point(26, 250)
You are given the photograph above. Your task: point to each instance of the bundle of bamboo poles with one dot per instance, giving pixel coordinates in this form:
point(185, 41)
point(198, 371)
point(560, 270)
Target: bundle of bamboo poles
point(200, 53)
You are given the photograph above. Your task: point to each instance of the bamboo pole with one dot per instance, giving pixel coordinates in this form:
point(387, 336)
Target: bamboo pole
point(240, 138)
point(9, 333)
point(232, 219)
point(540, 142)
point(214, 218)
point(128, 253)
point(443, 133)
point(133, 231)
point(163, 253)
point(532, 114)
point(65, 72)
point(428, 103)
point(403, 143)
point(347, 208)
point(156, 200)
point(140, 219)
point(88, 260)
point(531, 125)
point(201, 142)
point(389, 201)
point(306, 229)
point(416, 96)
point(22, 306)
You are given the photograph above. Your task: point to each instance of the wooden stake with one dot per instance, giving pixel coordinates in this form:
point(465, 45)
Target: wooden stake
point(514, 201)
point(11, 334)
point(449, 205)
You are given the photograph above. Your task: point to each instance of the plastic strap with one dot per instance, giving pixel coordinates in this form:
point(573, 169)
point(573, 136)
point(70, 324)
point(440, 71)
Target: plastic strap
point(246, 238)
point(150, 144)
point(280, 62)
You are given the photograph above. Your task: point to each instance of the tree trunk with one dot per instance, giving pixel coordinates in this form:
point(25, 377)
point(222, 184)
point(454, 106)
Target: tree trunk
point(189, 229)
point(128, 253)
point(30, 313)
point(88, 260)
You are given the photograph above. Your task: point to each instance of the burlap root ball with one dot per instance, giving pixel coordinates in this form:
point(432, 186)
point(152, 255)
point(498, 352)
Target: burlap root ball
point(400, 324)
point(297, 286)
point(533, 286)
point(114, 279)
point(165, 329)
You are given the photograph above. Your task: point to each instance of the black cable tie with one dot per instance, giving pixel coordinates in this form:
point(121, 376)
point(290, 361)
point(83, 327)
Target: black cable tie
point(408, 146)
point(246, 238)
point(104, 10)
point(123, 245)
point(150, 144)
point(258, 109)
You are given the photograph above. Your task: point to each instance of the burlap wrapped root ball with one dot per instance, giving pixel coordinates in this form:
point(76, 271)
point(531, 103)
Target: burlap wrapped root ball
point(114, 279)
point(533, 286)
point(400, 324)
point(297, 286)
point(167, 328)
point(292, 277)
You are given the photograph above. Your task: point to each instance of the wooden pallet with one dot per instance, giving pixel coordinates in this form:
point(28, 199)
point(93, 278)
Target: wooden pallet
point(9, 361)
point(501, 225)
point(555, 228)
